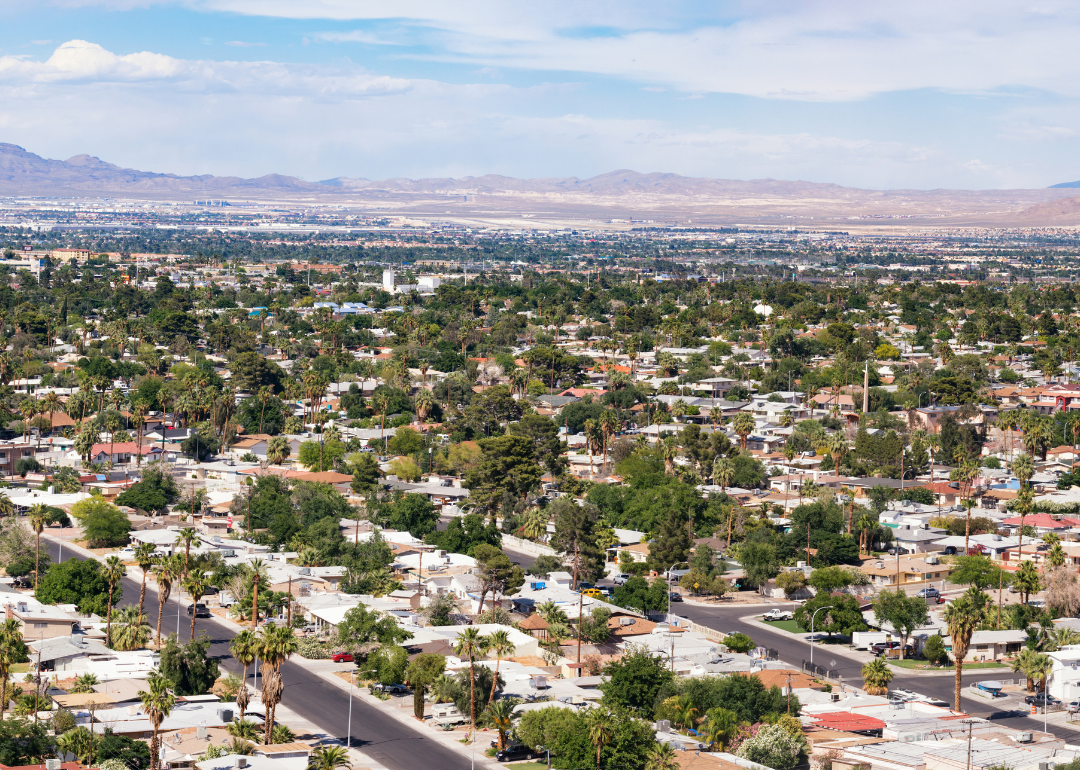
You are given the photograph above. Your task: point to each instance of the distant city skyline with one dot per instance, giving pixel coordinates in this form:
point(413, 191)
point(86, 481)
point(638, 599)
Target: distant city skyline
point(919, 95)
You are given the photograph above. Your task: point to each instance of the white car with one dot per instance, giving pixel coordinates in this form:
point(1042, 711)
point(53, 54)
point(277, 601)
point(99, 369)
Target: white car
point(125, 554)
point(1073, 706)
point(778, 614)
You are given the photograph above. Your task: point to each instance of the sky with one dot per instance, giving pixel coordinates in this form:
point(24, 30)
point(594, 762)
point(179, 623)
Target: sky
point(923, 95)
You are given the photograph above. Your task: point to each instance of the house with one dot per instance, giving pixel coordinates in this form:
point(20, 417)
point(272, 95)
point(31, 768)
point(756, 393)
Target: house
point(906, 570)
point(1064, 681)
point(993, 645)
point(123, 452)
point(37, 621)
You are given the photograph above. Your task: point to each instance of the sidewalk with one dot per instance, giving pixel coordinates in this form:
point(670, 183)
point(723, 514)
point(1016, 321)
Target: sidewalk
point(401, 708)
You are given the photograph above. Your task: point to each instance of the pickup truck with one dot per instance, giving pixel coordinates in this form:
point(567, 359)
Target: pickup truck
point(778, 614)
point(390, 689)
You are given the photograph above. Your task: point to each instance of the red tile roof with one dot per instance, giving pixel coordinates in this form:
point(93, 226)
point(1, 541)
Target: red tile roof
point(847, 722)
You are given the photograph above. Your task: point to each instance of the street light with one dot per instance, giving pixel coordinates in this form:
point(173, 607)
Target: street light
point(352, 679)
point(546, 751)
point(819, 609)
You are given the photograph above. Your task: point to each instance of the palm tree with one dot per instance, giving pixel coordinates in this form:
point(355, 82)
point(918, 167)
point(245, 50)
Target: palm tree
point(38, 517)
point(265, 394)
point(424, 402)
point(609, 426)
point(670, 452)
point(594, 438)
point(723, 472)
point(501, 716)
point(962, 617)
point(721, 726)
point(1022, 664)
point(244, 648)
point(329, 758)
point(113, 572)
point(186, 537)
point(278, 450)
point(157, 703)
point(12, 651)
point(276, 645)
point(244, 729)
point(1038, 669)
point(876, 677)
point(256, 572)
point(601, 728)
point(144, 557)
point(469, 642)
point(662, 756)
point(1023, 469)
point(743, 425)
point(195, 584)
point(382, 404)
point(166, 571)
point(837, 447)
point(500, 645)
point(130, 631)
point(7, 508)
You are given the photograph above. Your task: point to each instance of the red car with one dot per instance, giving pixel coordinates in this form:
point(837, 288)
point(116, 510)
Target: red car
point(342, 657)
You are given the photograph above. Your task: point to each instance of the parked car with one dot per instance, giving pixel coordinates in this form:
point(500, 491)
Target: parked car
point(126, 554)
point(621, 579)
point(879, 647)
point(390, 689)
point(310, 628)
point(674, 597)
point(1041, 699)
point(595, 593)
point(950, 550)
point(928, 593)
point(514, 753)
point(200, 610)
point(1073, 706)
point(940, 600)
point(342, 657)
point(778, 614)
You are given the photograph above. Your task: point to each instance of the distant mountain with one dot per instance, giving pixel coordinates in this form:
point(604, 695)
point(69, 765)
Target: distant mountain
point(23, 172)
point(1064, 185)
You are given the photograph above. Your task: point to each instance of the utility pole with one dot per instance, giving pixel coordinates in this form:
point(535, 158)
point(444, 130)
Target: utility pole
point(289, 610)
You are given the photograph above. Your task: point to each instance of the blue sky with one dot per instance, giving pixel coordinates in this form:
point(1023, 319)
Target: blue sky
point(962, 94)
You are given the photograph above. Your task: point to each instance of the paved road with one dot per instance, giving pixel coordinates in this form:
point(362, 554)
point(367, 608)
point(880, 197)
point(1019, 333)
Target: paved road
point(378, 734)
point(793, 651)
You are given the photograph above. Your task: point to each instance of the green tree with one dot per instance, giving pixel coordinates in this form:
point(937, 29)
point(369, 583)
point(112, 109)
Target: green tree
point(498, 575)
point(81, 583)
point(361, 627)
point(106, 526)
point(422, 672)
point(839, 614)
point(904, 613)
point(760, 563)
point(187, 667)
point(506, 463)
point(739, 642)
point(635, 680)
point(575, 538)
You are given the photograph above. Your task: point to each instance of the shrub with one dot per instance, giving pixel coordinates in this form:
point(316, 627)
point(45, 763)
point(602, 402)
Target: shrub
point(739, 642)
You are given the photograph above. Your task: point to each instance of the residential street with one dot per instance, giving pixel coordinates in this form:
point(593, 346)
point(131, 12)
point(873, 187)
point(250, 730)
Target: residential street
point(377, 734)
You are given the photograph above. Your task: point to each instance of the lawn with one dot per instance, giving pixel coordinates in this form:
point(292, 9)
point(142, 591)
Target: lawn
point(923, 665)
point(785, 625)
point(794, 628)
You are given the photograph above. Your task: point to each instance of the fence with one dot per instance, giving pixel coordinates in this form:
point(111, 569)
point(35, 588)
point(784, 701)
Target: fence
point(527, 546)
point(819, 671)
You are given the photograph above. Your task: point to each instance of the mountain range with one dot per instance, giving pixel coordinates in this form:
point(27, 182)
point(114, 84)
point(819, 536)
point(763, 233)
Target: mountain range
point(657, 197)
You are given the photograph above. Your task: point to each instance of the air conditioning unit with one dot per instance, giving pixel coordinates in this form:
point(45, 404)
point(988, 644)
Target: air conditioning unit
point(835, 696)
point(663, 726)
point(52, 764)
point(241, 762)
point(226, 715)
point(1025, 738)
point(305, 570)
point(200, 733)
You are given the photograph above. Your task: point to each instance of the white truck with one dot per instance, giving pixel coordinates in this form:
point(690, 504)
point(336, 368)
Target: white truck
point(226, 599)
point(778, 614)
point(862, 640)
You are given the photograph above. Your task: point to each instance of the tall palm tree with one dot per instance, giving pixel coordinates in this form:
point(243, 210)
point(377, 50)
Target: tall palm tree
point(721, 726)
point(7, 508)
point(265, 394)
point(601, 728)
point(609, 426)
point(167, 570)
point(186, 537)
point(138, 417)
point(470, 643)
point(962, 617)
point(144, 557)
point(424, 402)
point(837, 447)
point(38, 517)
point(1023, 469)
point(276, 645)
point(594, 438)
point(12, 651)
point(157, 701)
point(382, 404)
point(500, 645)
point(256, 572)
point(113, 572)
point(195, 584)
point(244, 648)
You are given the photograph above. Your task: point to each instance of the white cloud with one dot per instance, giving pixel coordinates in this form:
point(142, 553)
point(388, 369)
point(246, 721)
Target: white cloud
point(789, 49)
